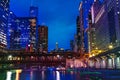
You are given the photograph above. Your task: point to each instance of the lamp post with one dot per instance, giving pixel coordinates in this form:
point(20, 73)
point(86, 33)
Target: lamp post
point(110, 46)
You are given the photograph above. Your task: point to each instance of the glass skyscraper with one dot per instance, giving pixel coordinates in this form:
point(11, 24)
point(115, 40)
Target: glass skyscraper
point(23, 33)
point(4, 10)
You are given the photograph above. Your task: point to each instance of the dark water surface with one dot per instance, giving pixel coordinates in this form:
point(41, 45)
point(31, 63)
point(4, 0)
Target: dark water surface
point(49, 75)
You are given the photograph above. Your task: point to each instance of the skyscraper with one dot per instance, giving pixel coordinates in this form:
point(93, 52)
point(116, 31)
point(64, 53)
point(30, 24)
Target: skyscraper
point(84, 11)
point(24, 34)
point(4, 11)
point(42, 38)
point(80, 29)
point(91, 34)
point(71, 45)
point(33, 12)
point(11, 30)
point(105, 25)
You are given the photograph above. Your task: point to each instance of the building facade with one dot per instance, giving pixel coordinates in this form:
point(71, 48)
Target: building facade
point(33, 12)
point(71, 45)
point(83, 13)
point(113, 10)
point(4, 12)
point(11, 30)
point(80, 29)
point(42, 38)
point(105, 21)
point(24, 34)
point(98, 28)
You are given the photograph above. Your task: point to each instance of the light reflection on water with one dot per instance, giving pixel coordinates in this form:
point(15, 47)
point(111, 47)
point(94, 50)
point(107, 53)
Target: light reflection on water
point(57, 75)
point(9, 75)
point(18, 74)
point(43, 75)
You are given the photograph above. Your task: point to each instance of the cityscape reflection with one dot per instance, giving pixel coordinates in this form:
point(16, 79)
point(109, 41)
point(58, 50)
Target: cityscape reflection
point(68, 74)
point(58, 75)
point(9, 75)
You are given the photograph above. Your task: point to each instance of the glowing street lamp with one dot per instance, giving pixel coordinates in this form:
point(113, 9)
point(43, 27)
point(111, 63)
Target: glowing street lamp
point(9, 57)
point(96, 48)
point(110, 46)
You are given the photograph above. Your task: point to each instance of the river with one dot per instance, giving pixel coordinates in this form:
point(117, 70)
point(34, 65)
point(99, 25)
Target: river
point(49, 74)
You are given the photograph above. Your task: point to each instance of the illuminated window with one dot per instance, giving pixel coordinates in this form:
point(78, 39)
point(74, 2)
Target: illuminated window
point(118, 12)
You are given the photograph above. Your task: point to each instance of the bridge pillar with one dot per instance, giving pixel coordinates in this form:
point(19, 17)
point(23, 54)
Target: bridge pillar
point(103, 62)
point(91, 63)
point(97, 63)
point(118, 62)
point(111, 62)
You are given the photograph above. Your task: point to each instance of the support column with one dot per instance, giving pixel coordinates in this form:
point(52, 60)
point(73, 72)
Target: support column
point(111, 61)
point(103, 63)
point(118, 62)
point(97, 64)
point(91, 63)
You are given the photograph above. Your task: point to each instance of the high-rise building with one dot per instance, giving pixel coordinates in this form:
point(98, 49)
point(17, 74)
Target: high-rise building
point(11, 30)
point(71, 45)
point(75, 43)
point(33, 12)
point(91, 26)
point(98, 32)
point(78, 33)
point(4, 11)
point(24, 34)
point(113, 10)
point(42, 38)
point(105, 25)
point(80, 29)
point(56, 46)
point(84, 11)
point(91, 34)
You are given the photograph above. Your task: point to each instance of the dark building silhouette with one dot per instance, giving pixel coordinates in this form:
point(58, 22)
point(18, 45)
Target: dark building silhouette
point(71, 45)
point(42, 38)
point(80, 30)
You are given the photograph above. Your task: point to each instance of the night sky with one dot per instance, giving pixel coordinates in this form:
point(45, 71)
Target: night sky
point(58, 15)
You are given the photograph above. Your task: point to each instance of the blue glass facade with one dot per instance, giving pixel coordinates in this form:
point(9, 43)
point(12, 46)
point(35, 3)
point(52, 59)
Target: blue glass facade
point(111, 22)
point(33, 11)
point(4, 9)
point(22, 32)
point(11, 28)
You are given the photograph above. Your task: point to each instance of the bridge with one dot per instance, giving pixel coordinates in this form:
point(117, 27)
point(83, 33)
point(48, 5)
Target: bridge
point(107, 60)
point(27, 59)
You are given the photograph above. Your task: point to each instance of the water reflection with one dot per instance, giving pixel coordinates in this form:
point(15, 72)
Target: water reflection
point(57, 75)
point(46, 75)
point(9, 75)
point(18, 74)
point(31, 75)
point(43, 75)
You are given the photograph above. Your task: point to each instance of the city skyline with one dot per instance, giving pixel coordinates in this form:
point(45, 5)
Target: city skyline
point(83, 37)
point(60, 19)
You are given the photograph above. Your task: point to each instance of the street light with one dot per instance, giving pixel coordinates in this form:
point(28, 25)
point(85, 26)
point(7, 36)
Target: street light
point(96, 48)
point(10, 56)
point(110, 46)
point(100, 51)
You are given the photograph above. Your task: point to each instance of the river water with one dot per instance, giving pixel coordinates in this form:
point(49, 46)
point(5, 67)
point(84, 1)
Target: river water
point(49, 74)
